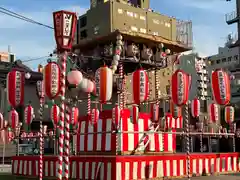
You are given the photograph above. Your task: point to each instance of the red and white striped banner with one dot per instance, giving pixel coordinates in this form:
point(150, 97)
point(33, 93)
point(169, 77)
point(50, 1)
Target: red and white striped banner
point(173, 123)
point(101, 136)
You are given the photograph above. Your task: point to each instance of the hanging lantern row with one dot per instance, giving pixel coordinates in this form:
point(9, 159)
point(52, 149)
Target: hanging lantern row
point(195, 108)
point(28, 115)
point(51, 78)
point(15, 88)
point(229, 114)
point(140, 86)
point(180, 87)
point(116, 114)
point(221, 87)
point(213, 111)
point(135, 114)
point(104, 83)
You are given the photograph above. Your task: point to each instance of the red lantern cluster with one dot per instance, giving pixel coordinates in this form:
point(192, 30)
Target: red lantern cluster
point(15, 88)
point(55, 110)
point(52, 80)
point(213, 113)
point(229, 114)
point(221, 87)
point(195, 107)
point(180, 87)
point(28, 114)
point(140, 86)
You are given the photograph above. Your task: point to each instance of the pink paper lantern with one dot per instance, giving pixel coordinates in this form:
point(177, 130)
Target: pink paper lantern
point(74, 77)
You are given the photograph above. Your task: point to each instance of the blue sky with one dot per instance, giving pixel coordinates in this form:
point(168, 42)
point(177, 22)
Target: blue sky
point(32, 41)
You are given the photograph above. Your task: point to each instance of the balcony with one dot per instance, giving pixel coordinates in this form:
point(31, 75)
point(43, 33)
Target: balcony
point(231, 18)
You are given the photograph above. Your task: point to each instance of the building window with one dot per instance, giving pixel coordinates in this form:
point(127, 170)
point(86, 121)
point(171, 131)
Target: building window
point(218, 61)
point(83, 34)
point(229, 58)
point(224, 60)
point(236, 57)
point(83, 21)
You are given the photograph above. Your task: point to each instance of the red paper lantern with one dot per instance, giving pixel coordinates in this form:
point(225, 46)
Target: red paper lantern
point(155, 112)
point(116, 114)
point(2, 122)
point(135, 114)
point(104, 83)
point(140, 86)
point(28, 114)
point(180, 87)
point(64, 29)
point(221, 87)
point(229, 114)
point(14, 118)
point(74, 116)
point(52, 80)
point(94, 115)
point(195, 107)
point(213, 113)
point(15, 88)
point(55, 114)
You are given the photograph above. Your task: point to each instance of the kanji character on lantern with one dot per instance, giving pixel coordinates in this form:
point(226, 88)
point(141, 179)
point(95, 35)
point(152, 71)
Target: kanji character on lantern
point(195, 107)
point(140, 86)
point(52, 80)
point(180, 87)
point(213, 113)
point(221, 87)
point(15, 88)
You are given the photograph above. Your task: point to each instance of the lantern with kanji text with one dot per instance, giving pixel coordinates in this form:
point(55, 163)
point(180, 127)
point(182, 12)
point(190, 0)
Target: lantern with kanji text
point(40, 89)
point(195, 107)
point(180, 87)
point(221, 87)
point(15, 88)
point(213, 111)
point(64, 29)
point(52, 80)
point(140, 86)
point(104, 83)
point(229, 114)
point(28, 114)
point(55, 114)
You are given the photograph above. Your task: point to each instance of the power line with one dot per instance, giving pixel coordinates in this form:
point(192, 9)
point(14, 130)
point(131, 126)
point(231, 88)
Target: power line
point(34, 59)
point(21, 17)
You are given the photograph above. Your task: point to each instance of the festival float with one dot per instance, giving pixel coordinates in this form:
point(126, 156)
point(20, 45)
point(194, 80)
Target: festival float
point(121, 143)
